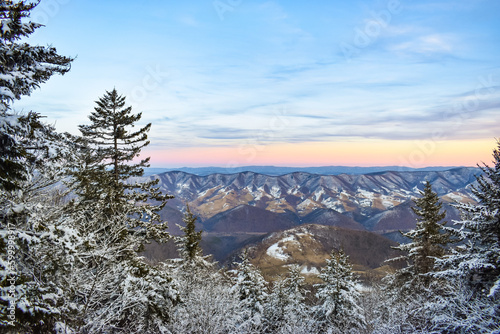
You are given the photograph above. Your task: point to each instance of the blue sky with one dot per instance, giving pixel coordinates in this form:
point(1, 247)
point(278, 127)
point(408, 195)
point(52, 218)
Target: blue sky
point(232, 76)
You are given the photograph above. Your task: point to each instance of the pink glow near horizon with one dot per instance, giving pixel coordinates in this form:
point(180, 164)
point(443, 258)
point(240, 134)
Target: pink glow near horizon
point(372, 153)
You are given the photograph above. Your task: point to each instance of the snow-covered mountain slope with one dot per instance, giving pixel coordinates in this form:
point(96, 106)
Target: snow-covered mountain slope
point(310, 245)
point(357, 196)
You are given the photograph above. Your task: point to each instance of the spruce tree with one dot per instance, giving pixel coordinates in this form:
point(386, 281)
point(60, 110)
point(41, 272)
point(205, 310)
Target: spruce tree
point(189, 244)
point(117, 214)
point(23, 68)
point(107, 173)
point(250, 287)
point(35, 245)
point(472, 270)
point(286, 311)
point(339, 298)
point(477, 262)
point(428, 240)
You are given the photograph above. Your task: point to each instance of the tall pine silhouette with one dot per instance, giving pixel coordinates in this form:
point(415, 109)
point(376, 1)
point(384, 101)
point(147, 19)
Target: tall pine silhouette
point(110, 144)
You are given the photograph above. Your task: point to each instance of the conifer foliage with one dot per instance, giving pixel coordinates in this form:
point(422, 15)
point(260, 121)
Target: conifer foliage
point(35, 245)
point(110, 130)
point(478, 261)
point(105, 169)
point(250, 287)
point(189, 243)
point(339, 298)
point(23, 68)
point(428, 240)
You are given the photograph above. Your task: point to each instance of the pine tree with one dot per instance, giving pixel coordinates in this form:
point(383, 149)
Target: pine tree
point(479, 260)
point(117, 289)
point(472, 270)
point(106, 171)
point(116, 143)
point(35, 245)
point(428, 240)
point(339, 298)
point(189, 244)
point(286, 311)
point(250, 287)
point(23, 68)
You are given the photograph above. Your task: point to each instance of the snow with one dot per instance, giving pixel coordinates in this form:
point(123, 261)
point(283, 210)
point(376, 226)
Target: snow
point(455, 197)
point(276, 251)
point(317, 194)
point(366, 194)
point(7, 92)
point(306, 204)
point(309, 271)
point(332, 203)
point(275, 191)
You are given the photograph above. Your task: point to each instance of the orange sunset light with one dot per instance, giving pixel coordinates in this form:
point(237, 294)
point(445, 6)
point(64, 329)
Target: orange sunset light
point(411, 153)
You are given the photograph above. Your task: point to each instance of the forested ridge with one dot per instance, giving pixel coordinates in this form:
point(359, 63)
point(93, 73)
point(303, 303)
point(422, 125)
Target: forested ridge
point(72, 231)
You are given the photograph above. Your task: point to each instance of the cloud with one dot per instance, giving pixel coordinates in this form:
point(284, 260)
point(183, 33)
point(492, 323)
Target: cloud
point(427, 45)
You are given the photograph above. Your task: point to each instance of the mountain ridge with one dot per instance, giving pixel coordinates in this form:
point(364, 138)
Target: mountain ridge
point(277, 170)
point(300, 192)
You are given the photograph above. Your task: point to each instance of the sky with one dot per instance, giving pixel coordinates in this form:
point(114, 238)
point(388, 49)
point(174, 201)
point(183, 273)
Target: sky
point(284, 83)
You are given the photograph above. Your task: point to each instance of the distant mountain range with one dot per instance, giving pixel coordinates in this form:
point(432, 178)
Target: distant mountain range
point(241, 208)
point(276, 171)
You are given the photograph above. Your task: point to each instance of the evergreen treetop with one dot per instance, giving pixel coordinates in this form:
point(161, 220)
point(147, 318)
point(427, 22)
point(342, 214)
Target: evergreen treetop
point(111, 131)
point(428, 239)
point(478, 260)
point(189, 244)
point(23, 67)
point(339, 298)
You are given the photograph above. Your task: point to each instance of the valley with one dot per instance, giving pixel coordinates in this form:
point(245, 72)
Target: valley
point(248, 209)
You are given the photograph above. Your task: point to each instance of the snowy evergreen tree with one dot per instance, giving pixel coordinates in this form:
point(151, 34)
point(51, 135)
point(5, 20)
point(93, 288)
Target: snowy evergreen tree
point(286, 311)
point(208, 304)
point(339, 298)
point(35, 245)
point(23, 68)
point(250, 287)
point(189, 243)
point(116, 289)
point(472, 270)
point(105, 168)
point(478, 261)
point(428, 242)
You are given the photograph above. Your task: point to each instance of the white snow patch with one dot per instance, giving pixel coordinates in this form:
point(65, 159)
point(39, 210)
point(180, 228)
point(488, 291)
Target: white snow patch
point(305, 204)
point(455, 197)
point(309, 271)
point(277, 252)
point(317, 194)
point(332, 203)
point(388, 204)
point(275, 191)
point(366, 194)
